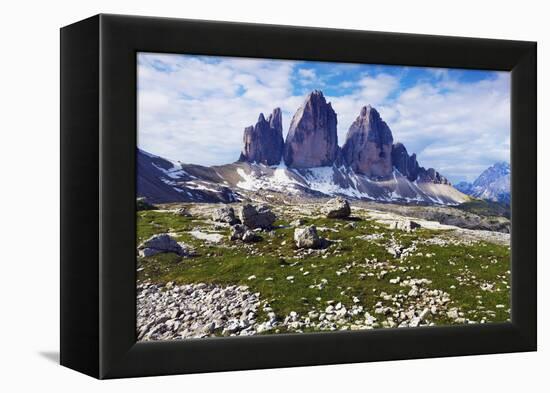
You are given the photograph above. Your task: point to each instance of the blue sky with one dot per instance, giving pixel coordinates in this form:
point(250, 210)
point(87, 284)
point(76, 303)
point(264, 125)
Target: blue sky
point(194, 108)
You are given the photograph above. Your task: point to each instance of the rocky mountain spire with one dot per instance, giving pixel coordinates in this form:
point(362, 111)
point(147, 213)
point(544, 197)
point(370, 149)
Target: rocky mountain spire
point(263, 143)
point(312, 140)
point(368, 145)
point(405, 164)
point(409, 167)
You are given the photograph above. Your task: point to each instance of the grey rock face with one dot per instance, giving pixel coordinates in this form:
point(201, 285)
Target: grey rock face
point(308, 238)
point(236, 232)
point(409, 167)
point(250, 237)
point(225, 214)
point(263, 143)
point(337, 208)
point(312, 140)
point(240, 232)
point(256, 217)
point(368, 145)
point(405, 164)
point(162, 243)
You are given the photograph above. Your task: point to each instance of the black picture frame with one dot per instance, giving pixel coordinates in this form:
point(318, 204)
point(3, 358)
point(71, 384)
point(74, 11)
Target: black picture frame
point(98, 221)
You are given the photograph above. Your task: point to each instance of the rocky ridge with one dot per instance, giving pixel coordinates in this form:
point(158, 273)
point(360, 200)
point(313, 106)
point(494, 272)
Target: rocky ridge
point(309, 163)
point(312, 141)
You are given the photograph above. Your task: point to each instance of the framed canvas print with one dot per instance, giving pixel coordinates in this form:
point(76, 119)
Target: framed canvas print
point(239, 196)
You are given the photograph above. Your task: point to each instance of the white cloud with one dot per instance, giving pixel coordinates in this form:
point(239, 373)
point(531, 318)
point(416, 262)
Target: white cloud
point(369, 90)
point(307, 74)
point(466, 126)
point(194, 109)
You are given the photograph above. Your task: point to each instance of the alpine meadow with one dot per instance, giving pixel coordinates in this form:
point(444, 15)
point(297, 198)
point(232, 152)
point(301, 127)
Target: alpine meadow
point(278, 196)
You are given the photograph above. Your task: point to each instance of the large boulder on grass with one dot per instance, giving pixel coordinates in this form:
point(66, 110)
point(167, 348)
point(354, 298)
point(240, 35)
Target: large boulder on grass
point(308, 237)
point(163, 243)
point(225, 214)
point(236, 232)
point(336, 208)
point(256, 217)
point(240, 232)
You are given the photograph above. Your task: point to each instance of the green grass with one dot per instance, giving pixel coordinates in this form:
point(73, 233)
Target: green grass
point(486, 208)
point(276, 257)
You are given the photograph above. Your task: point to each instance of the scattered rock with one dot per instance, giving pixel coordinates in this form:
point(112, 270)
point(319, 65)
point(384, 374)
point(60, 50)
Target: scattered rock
point(453, 313)
point(225, 214)
point(256, 217)
point(163, 243)
point(298, 222)
point(251, 237)
point(209, 237)
point(406, 225)
point(240, 232)
point(183, 212)
point(195, 311)
point(337, 208)
point(308, 238)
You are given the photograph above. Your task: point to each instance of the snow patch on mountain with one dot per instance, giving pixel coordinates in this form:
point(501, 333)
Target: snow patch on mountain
point(492, 184)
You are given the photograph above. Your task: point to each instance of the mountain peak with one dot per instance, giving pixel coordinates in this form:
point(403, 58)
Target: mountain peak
point(501, 166)
point(317, 93)
point(367, 110)
point(276, 119)
point(494, 172)
point(492, 184)
point(312, 140)
point(368, 145)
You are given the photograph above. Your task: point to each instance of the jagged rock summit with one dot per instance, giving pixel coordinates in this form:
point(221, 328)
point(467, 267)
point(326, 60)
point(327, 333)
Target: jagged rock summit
point(312, 139)
point(263, 142)
point(405, 164)
point(312, 142)
point(368, 145)
point(408, 166)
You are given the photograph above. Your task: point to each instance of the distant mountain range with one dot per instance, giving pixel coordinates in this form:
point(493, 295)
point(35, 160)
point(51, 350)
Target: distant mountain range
point(309, 162)
point(493, 184)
